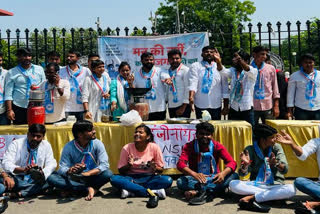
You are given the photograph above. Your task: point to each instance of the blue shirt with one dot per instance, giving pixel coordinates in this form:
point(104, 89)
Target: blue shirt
point(16, 84)
point(71, 155)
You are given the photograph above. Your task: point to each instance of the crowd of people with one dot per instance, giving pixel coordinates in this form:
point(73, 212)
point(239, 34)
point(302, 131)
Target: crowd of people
point(246, 91)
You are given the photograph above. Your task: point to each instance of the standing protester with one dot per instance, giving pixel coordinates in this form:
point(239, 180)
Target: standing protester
point(207, 86)
point(304, 91)
point(57, 92)
point(84, 165)
point(150, 76)
point(266, 92)
point(264, 165)
point(75, 74)
point(178, 95)
point(18, 83)
point(95, 96)
point(53, 57)
point(3, 115)
point(29, 161)
point(243, 78)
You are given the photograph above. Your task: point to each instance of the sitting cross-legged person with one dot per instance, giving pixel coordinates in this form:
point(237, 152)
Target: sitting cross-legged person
point(84, 165)
point(139, 165)
point(199, 162)
point(265, 164)
point(29, 161)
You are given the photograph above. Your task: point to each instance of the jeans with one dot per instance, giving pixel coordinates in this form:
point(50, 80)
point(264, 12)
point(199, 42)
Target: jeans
point(186, 113)
point(301, 114)
point(161, 115)
point(186, 183)
point(242, 115)
point(65, 183)
point(214, 112)
point(25, 188)
point(308, 187)
point(138, 184)
point(263, 115)
point(2, 188)
point(3, 119)
point(78, 115)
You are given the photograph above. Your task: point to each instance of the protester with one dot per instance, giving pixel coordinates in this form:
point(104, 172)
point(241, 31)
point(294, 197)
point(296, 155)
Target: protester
point(3, 72)
point(264, 164)
point(243, 78)
point(92, 57)
point(54, 57)
point(304, 90)
point(29, 161)
point(57, 92)
point(18, 83)
point(95, 94)
point(178, 96)
point(84, 165)
point(6, 183)
point(305, 185)
point(140, 164)
point(150, 76)
point(266, 92)
point(119, 96)
point(199, 163)
point(75, 74)
point(207, 87)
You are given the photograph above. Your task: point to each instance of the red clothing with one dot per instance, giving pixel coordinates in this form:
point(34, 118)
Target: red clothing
point(189, 157)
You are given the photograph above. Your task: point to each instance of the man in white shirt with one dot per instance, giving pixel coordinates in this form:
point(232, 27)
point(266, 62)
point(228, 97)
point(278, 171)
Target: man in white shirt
point(57, 92)
point(178, 95)
point(3, 72)
point(305, 185)
point(304, 91)
point(243, 78)
point(75, 74)
point(29, 161)
point(150, 76)
point(207, 86)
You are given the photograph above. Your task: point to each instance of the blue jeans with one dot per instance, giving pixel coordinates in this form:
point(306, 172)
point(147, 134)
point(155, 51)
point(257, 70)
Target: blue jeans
point(65, 183)
point(308, 187)
point(138, 184)
point(242, 115)
point(4, 120)
point(186, 183)
point(214, 112)
point(301, 114)
point(2, 188)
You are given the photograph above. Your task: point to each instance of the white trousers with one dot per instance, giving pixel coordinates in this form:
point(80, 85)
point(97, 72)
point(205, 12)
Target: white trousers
point(264, 193)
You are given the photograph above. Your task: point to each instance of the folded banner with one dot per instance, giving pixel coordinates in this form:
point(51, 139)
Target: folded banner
point(115, 49)
point(5, 140)
point(171, 138)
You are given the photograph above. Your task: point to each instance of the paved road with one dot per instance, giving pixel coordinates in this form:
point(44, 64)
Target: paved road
point(109, 202)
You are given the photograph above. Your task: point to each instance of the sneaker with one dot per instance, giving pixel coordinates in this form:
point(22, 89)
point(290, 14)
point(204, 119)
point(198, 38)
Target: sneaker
point(161, 193)
point(153, 202)
point(124, 194)
point(200, 199)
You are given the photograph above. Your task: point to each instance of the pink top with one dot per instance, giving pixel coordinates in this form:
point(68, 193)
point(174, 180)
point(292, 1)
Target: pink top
point(270, 87)
point(151, 153)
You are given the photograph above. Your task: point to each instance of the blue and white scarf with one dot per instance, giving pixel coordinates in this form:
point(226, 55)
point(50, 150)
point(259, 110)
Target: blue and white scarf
point(87, 158)
point(311, 86)
point(259, 92)
point(207, 78)
point(206, 161)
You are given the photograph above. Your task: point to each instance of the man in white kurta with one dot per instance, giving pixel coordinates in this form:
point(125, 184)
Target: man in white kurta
point(29, 161)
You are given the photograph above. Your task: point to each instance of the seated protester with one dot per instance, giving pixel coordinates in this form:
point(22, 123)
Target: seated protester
point(199, 162)
point(139, 165)
point(265, 164)
point(304, 91)
point(95, 93)
point(84, 165)
point(243, 78)
point(29, 161)
point(119, 96)
point(305, 185)
point(57, 92)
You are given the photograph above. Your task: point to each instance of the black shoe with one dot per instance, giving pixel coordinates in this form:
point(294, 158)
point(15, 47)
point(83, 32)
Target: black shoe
point(153, 202)
point(200, 199)
point(253, 206)
point(304, 210)
point(4, 204)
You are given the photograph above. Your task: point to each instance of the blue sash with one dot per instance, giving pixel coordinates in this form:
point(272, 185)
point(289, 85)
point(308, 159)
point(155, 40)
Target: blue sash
point(237, 90)
point(207, 78)
point(265, 175)
point(149, 84)
point(104, 102)
point(87, 158)
point(311, 86)
point(32, 159)
point(48, 101)
point(173, 88)
point(29, 74)
point(74, 84)
point(259, 92)
point(1, 88)
point(206, 161)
